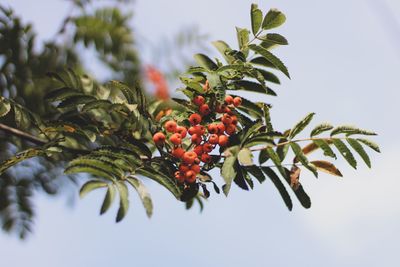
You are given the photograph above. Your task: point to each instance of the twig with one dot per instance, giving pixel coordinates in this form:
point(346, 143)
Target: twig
point(21, 134)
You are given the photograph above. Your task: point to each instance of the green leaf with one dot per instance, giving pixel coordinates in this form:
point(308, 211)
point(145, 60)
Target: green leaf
point(73, 101)
point(5, 106)
point(271, 58)
point(276, 160)
point(274, 38)
point(205, 62)
point(243, 40)
point(228, 171)
point(143, 194)
point(279, 185)
point(256, 18)
point(123, 200)
point(324, 145)
point(302, 158)
point(90, 186)
point(360, 150)
point(61, 94)
point(269, 76)
point(78, 168)
point(250, 108)
point(223, 48)
point(124, 89)
point(108, 199)
point(102, 104)
point(253, 87)
point(327, 167)
point(256, 172)
point(245, 157)
point(262, 61)
point(301, 125)
point(350, 130)
point(274, 18)
point(22, 118)
point(320, 128)
point(263, 157)
point(166, 181)
point(370, 144)
point(346, 153)
point(21, 156)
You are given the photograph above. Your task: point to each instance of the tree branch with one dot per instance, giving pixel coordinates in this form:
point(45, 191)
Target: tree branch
point(22, 135)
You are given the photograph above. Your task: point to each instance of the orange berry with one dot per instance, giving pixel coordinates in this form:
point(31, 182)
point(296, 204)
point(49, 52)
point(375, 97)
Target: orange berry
point(228, 100)
point(195, 168)
point(159, 138)
point(200, 129)
point(204, 109)
point(184, 168)
point(178, 152)
point(213, 139)
point(223, 140)
point(219, 109)
point(230, 129)
point(234, 119)
point(237, 101)
point(194, 119)
point(199, 100)
point(221, 128)
point(170, 126)
point(179, 176)
point(212, 128)
point(226, 119)
point(206, 158)
point(190, 176)
point(196, 139)
point(182, 131)
point(176, 139)
point(189, 157)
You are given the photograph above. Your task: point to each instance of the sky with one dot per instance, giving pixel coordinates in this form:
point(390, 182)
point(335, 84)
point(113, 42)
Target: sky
point(344, 59)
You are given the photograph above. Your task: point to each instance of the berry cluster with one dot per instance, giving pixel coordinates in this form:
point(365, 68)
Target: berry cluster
point(204, 136)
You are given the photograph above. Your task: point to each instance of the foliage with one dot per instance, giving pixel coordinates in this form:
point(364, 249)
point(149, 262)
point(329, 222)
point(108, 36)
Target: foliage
point(112, 131)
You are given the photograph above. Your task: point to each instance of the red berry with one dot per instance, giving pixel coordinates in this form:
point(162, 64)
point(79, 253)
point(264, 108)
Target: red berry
point(196, 161)
point(194, 119)
point(226, 119)
point(234, 119)
point(192, 130)
point(176, 139)
point(170, 126)
point(213, 139)
point(221, 128)
point(178, 152)
point(198, 150)
point(200, 129)
point(219, 109)
point(206, 158)
point(196, 139)
point(189, 157)
point(198, 100)
point(207, 148)
point(212, 128)
point(159, 138)
point(204, 109)
point(184, 168)
point(179, 176)
point(237, 101)
point(190, 176)
point(195, 168)
point(182, 131)
point(230, 129)
point(228, 100)
point(223, 140)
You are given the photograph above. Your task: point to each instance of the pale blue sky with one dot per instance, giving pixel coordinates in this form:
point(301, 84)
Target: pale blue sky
point(344, 59)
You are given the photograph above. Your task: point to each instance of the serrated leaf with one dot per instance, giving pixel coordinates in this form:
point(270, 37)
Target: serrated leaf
point(78, 168)
point(269, 76)
point(256, 18)
point(360, 150)
point(350, 130)
point(324, 145)
point(21, 156)
point(302, 158)
point(293, 180)
point(271, 58)
point(320, 128)
point(73, 101)
point(123, 200)
point(301, 125)
point(103, 104)
point(263, 157)
point(279, 185)
point(346, 153)
point(370, 144)
point(252, 87)
point(245, 157)
point(143, 194)
point(256, 172)
point(228, 172)
point(327, 167)
point(276, 160)
point(90, 186)
point(223, 48)
point(205, 62)
point(108, 199)
point(61, 94)
point(274, 18)
point(262, 61)
point(243, 39)
point(22, 119)
point(5, 106)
